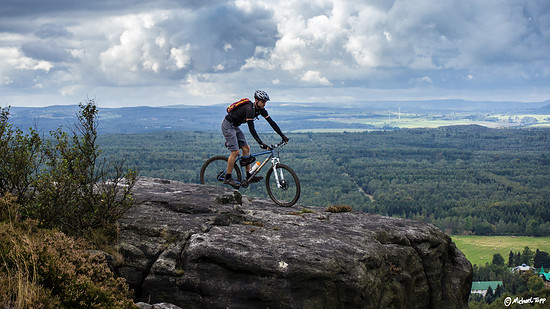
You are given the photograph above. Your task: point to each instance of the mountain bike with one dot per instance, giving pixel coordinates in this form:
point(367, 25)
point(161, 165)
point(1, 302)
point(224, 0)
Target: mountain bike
point(281, 182)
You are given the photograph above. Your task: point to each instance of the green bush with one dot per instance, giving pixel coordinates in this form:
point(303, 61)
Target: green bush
point(60, 181)
point(19, 158)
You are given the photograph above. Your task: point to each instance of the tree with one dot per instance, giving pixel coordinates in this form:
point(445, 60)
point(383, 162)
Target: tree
point(535, 283)
point(498, 259)
point(517, 259)
point(541, 259)
point(483, 228)
point(18, 158)
point(527, 256)
point(498, 291)
point(533, 228)
point(79, 193)
point(511, 262)
point(489, 296)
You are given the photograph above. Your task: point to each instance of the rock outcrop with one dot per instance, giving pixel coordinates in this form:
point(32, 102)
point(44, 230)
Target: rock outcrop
point(199, 246)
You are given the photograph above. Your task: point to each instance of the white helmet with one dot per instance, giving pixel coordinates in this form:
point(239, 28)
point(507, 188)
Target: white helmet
point(261, 95)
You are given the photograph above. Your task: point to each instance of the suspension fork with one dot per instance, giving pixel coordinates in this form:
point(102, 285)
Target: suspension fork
point(278, 178)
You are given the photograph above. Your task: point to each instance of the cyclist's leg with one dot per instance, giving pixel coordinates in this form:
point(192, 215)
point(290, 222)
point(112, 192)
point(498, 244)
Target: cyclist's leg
point(231, 133)
point(246, 152)
point(243, 144)
point(231, 161)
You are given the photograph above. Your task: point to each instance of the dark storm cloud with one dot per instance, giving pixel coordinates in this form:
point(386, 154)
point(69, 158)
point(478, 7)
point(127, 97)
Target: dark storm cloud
point(224, 35)
point(11, 8)
point(46, 51)
point(50, 30)
point(15, 8)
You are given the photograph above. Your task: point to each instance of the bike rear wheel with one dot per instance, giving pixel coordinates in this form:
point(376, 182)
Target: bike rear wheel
point(214, 169)
point(287, 192)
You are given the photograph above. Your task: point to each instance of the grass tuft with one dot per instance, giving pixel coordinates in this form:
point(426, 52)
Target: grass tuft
point(339, 208)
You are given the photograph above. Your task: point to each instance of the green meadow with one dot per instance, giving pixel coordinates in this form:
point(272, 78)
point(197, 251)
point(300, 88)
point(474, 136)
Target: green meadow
point(480, 249)
point(429, 120)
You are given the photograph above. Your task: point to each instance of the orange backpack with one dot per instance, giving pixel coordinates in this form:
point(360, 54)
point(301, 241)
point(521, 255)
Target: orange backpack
point(237, 104)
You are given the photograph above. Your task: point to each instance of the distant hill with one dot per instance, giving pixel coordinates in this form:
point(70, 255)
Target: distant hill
point(291, 116)
point(543, 110)
point(124, 120)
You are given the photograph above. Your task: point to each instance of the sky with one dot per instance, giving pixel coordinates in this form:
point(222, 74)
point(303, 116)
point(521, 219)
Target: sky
point(202, 52)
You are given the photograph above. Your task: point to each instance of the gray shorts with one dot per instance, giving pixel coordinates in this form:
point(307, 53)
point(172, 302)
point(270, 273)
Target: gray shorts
point(234, 137)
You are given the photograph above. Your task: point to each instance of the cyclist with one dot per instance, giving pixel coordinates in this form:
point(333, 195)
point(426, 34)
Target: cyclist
point(234, 137)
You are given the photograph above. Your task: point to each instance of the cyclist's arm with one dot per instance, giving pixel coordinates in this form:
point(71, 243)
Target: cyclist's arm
point(253, 131)
point(274, 126)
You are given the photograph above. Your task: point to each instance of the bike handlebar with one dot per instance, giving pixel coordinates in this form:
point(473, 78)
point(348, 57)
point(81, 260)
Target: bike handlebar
point(282, 143)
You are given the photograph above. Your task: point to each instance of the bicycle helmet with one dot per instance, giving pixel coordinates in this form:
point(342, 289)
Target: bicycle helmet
point(261, 95)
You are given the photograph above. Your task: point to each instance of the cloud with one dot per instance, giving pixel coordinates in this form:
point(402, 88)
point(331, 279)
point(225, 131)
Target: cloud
point(316, 78)
point(217, 40)
point(137, 48)
point(180, 57)
point(425, 79)
point(14, 59)
point(48, 51)
point(16, 69)
point(229, 47)
point(50, 30)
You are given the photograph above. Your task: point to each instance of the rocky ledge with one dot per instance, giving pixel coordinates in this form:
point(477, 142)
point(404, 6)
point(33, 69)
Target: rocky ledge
point(198, 246)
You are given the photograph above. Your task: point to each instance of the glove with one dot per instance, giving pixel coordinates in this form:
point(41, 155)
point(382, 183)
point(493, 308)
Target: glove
point(285, 139)
point(264, 146)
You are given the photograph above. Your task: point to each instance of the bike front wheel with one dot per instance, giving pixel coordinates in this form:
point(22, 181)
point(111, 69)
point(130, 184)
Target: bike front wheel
point(214, 169)
point(282, 185)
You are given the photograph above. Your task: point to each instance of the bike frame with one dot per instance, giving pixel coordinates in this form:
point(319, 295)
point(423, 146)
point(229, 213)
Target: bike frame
point(274, 161)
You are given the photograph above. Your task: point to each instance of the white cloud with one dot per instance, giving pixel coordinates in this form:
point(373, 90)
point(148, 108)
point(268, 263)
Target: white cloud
point(180, 56)
point(363, 50)
point(12, 58)
point(316, 78)
point(425, 79)
point(5, 80)
point(16, 68)
point(71, 90)
point(207, 89)
point(139, 48)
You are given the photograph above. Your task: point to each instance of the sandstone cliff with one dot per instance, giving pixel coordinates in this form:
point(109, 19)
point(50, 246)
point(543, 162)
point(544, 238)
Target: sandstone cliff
point(200, 246)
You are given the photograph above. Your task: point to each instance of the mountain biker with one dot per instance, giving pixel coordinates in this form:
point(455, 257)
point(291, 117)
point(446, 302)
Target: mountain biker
point(234, 137)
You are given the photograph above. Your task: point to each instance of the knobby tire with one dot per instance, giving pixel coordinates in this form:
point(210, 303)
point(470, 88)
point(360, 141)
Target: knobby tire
point(283, 197)
point(213, 166)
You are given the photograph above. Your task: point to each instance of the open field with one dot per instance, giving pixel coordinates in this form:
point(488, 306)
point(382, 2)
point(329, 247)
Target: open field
point(434, 120)
point(480, 249)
